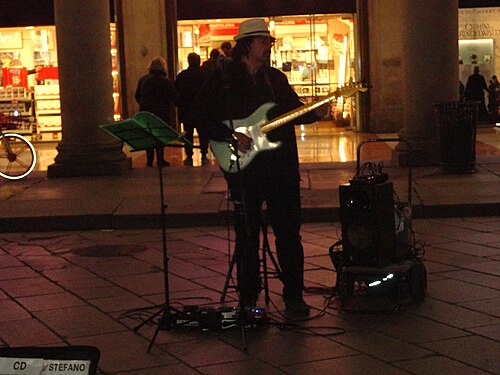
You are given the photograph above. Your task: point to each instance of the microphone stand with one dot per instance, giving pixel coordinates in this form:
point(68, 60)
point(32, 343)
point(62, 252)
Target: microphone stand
point(240, 206)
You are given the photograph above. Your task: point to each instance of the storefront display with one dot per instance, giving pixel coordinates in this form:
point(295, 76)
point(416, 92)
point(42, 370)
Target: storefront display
point(48, 112)
point(315, 52)
point(479, 38)
point(29, 80)
point(17, 101)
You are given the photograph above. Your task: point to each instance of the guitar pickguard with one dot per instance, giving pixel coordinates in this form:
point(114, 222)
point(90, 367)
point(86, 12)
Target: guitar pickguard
point(251, 127)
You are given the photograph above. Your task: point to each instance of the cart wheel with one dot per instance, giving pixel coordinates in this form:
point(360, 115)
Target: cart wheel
point(418, 281)
point(345, 286)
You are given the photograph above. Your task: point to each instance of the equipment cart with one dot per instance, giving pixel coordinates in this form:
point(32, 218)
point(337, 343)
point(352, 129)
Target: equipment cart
point(378, 246)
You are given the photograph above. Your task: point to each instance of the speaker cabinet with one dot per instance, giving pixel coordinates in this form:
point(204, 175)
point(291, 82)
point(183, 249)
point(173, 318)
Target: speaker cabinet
point(368, 224)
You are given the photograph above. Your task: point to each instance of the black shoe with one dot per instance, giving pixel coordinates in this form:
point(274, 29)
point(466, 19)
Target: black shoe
point(149, 163)
point(296, 308)
point(188, 160)
point(204, 160)
point(163, 163)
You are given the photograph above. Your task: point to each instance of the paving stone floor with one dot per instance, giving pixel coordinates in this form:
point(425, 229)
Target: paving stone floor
point(94, 287)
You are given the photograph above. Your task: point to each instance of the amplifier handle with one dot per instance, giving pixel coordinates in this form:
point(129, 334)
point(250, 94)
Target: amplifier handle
point(409, 151)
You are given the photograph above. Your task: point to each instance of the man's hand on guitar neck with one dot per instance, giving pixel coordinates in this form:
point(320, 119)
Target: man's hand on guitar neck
point(323, 110)
point(243, 142)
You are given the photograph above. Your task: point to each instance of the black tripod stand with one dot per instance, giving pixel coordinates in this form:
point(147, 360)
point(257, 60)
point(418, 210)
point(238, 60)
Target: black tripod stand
point(265, 253)
point(146, 131)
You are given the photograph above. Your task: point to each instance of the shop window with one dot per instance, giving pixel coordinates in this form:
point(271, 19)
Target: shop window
point(316, 52)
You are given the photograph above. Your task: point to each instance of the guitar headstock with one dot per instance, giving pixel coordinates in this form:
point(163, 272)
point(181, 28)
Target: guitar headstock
point(350, 89)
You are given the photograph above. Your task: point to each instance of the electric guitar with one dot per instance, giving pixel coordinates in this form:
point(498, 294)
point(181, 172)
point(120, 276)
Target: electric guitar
point(257, 125)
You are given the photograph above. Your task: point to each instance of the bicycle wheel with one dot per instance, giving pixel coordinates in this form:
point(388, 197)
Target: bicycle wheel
point(20, 160)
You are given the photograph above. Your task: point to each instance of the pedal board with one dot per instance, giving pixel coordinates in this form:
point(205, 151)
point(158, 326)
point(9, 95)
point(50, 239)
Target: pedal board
point(220, 318)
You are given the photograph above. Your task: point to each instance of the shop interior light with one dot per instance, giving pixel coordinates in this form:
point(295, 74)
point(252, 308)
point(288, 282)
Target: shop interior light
point(44, 35)
point(343, 148)
point(302, 132)
point(187, 39)
point(342, 69)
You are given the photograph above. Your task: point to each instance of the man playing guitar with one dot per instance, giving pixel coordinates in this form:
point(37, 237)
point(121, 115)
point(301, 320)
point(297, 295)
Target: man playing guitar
point(233, 95)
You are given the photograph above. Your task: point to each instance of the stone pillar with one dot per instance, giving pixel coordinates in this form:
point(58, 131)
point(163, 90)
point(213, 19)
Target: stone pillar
point(363, 65)
point(385, 70)
point(143, 39)
point(172, 56)
point(171, 31)
point(83, 46)
point(430, 73)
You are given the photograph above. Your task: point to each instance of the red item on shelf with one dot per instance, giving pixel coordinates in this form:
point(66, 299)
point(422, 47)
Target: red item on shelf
point(48, 72)
point(15, 77)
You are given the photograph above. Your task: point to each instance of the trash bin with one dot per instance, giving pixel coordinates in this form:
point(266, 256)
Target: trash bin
point(457, 125)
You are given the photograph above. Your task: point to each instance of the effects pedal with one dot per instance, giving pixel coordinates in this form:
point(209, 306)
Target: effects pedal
point(221, 318)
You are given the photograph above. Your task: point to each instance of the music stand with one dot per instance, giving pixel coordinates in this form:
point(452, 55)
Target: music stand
point(143, 131)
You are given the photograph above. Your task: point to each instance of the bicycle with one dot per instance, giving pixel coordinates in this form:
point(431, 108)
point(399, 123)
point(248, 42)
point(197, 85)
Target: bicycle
point(17, 154)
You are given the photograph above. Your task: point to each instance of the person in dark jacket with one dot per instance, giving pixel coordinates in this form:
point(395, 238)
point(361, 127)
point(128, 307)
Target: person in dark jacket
point(474, 90)
point(235, 93)
point(188, 83)
point(156, 93)
point(211, 64)
point(494, 98)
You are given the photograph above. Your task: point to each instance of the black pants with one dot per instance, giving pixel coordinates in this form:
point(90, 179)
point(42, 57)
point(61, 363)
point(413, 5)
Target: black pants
point(280, 189)
point(204, 140)
point(150, 154)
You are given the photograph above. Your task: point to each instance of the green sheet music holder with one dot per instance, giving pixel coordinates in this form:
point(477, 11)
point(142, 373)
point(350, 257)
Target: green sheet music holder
point(145, 130)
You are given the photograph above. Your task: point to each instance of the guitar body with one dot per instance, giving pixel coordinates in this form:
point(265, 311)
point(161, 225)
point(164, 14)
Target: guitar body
point(251, 127)
point(257, 125)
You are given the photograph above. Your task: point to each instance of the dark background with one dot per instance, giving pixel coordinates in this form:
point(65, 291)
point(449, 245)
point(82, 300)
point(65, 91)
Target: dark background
point(15, 13)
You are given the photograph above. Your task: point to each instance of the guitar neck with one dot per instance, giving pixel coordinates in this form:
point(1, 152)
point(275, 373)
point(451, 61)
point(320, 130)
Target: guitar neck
point(295, 113)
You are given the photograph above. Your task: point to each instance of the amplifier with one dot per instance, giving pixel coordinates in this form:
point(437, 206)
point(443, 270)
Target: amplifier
point(367, 223)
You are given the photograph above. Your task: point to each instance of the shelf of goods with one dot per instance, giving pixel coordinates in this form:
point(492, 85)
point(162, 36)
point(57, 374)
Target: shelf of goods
point(17, 102)
point(309, 89)
point(48, 112)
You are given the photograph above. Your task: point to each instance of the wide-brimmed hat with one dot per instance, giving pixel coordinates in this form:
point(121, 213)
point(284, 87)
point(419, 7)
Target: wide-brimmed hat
point(253, 27)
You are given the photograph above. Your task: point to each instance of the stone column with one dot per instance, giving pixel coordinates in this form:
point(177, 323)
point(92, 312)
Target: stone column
point(430, 72)
point(363, 65)
point(143, 39)
point(83, 47)
point(385, 70)
point(172, 56)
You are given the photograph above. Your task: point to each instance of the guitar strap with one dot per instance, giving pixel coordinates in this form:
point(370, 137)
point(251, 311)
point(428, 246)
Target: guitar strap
point(268, 81)
point(225, 84)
